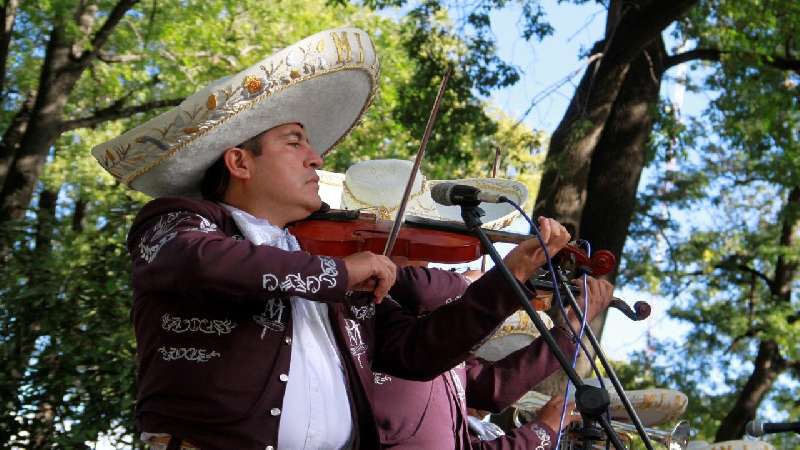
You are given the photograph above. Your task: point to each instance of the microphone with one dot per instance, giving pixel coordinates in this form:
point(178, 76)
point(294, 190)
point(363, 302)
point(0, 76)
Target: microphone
point(757, 428)
point(449, 194)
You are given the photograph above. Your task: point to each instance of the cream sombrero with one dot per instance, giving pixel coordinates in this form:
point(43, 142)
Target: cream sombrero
point(740, 444)
point(653, 406)
point(324, 82)
point(516, 332)
point(377, 185)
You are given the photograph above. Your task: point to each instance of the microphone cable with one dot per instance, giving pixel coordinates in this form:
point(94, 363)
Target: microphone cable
point(577, 336)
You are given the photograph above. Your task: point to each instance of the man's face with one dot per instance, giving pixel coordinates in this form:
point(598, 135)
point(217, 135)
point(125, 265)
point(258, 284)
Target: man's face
point(283, 176)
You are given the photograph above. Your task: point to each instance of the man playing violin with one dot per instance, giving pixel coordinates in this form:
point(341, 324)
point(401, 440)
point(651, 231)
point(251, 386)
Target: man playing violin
point(243, 340)
point(433, 414)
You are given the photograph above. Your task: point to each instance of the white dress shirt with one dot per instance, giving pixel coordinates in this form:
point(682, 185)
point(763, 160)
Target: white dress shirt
point(316, 409)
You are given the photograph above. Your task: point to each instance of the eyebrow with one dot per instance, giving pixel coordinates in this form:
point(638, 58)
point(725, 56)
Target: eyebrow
point(295, 134)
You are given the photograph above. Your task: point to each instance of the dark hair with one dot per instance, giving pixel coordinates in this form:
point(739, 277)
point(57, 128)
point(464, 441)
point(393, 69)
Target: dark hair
point(216, 178)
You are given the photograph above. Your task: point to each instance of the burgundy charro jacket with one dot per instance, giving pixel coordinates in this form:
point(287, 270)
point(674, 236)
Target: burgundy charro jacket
point(213, 326)
point(432, 414)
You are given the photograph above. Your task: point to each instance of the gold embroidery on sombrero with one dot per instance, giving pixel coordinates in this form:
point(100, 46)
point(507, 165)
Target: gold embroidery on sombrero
point(126, 162)
point(384, 212)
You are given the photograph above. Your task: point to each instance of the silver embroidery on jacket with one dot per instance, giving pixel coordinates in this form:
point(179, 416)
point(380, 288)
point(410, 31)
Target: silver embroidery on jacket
point(310, 284)
point(357, 345)
point(452, 299)
point(363, 312)
point(188, 353)
point(178, 325)
point(166, 229)
point(460, 392)
point(381, 378)
point(544, 437)
point(272, 317)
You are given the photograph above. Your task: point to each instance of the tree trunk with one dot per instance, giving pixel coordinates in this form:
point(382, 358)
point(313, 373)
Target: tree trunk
point(65, 61)
point(59, 74)
point(13, 134)
point(768, 365)
point(562, 192)
point(619, 157)
point(769, 362)
point(614, 172)
point(7, 16)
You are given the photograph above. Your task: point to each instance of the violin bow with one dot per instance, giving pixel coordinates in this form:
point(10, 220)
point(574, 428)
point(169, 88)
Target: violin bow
point(494, 175)
point(401, 211)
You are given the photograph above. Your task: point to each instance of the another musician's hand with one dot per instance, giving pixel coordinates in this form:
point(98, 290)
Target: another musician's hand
point(472, 274)
point(600, 295)
point(550, 413)
point(367, 271)
point(527, 257)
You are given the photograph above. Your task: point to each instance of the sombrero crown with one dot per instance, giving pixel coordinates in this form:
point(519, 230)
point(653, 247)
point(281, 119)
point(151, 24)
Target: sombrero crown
point(378, 185)
point(324, 82)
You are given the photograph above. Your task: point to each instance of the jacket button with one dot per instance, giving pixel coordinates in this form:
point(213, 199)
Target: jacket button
point(275, 411)
point(269, 447)
point(283, 377)
point(288, 340)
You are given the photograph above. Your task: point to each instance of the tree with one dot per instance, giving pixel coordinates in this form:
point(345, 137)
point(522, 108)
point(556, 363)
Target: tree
point(734, 269)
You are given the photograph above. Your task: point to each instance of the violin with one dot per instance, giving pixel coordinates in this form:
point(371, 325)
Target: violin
point(344, 232)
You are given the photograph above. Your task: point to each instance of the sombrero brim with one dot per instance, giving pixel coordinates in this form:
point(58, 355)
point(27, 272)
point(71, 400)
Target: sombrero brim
point(328, 108)
point(324, 82)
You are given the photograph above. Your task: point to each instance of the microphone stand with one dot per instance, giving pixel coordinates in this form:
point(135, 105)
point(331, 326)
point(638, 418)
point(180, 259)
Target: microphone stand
point(612, 375)
point(590, 401)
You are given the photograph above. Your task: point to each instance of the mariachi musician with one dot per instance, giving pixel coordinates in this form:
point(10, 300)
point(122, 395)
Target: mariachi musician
point(243, 339)
point(433, 414)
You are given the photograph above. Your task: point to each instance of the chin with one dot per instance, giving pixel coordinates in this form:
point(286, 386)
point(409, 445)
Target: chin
point(312, 206)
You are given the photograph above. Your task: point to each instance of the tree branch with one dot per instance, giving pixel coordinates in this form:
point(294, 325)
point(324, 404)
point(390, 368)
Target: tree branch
point(115, 112)
point(724, 265)
point(102, 35)
point(714, 54)
point(706, 54)
point(640, 25)
point(8, 15)
point(794, 366)
point(108, 57)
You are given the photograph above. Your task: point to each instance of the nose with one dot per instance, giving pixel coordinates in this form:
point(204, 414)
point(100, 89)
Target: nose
point(313, 159)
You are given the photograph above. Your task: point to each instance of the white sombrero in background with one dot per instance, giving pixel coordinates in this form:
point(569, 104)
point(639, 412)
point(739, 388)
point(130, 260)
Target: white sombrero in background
point(378, 185)
point(740, 444)
point(653, 406)
point(516, 332)
point(330, 188)
point(324, 82)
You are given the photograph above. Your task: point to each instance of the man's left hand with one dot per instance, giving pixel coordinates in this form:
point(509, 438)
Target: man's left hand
point(600, 295)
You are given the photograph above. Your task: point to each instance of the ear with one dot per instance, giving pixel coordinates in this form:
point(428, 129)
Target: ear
point(238, 162)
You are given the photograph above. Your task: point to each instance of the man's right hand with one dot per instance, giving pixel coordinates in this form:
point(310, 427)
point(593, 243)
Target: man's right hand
point(550, 413)
point(367, 271)
point(526, 258)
